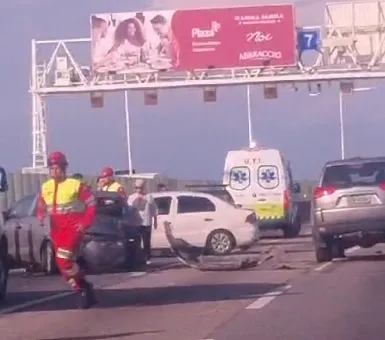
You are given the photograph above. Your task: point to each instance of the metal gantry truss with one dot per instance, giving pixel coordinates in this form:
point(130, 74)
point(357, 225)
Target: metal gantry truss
point(350, 50)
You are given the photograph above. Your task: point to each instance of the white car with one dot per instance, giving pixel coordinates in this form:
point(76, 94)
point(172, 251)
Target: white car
point(205, 221)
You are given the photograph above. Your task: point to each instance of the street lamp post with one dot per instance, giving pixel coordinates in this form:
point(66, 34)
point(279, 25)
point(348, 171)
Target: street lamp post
point(250, 124)
point(342, 130)
point(128, 133)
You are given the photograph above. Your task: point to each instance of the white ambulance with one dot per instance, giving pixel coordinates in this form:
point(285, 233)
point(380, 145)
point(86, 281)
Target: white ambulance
point(260, 179)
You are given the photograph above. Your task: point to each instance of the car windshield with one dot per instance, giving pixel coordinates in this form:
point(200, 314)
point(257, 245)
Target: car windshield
point(350, 175)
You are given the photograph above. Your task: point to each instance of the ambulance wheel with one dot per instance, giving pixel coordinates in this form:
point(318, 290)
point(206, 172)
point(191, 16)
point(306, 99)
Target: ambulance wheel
point(48, 261)
point(3, 277)
point(293, 229)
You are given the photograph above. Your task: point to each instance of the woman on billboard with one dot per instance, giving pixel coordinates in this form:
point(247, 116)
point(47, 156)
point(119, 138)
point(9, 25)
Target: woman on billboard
point(127, 50)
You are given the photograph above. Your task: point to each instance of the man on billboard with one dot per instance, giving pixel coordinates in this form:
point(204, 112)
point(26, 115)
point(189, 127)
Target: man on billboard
point(101, 38)
point(167, 48)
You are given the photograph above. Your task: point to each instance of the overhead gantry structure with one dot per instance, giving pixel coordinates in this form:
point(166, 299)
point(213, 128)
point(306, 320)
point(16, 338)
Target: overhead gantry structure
point(349, 46)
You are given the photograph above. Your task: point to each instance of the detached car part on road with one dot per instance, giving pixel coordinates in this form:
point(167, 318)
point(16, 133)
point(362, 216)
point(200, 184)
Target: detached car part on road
point(112, 242)
point(204, 221)
point(348, 207)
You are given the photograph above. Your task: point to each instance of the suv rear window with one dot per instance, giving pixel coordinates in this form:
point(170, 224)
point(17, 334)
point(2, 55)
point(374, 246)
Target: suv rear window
point(349, 175)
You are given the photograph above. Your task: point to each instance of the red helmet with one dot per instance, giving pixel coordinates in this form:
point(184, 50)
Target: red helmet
point(107, 172)
point(57, 158)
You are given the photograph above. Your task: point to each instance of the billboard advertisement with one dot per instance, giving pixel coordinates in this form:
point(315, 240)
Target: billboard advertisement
point(185, 40)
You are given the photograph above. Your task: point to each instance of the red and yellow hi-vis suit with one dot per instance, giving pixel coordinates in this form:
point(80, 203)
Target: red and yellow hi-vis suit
point(70, 205)
point(114, 187)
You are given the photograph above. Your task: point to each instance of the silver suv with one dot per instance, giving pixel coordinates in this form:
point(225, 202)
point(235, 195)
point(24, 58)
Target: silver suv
point(348, 206)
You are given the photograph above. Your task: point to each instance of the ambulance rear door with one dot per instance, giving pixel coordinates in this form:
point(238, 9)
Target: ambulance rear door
point(268, 185)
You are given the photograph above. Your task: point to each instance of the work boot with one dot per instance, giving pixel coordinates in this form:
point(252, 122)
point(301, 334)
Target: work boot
point(87, 296)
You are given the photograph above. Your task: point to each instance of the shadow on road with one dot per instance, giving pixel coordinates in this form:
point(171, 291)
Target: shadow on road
point(104, 337)
point(159, 296)
point(371, 257)
point(266, 243)
point(274, 235)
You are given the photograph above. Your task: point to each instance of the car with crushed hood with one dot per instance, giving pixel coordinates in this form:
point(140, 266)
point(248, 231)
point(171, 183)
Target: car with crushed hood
point(112, 242)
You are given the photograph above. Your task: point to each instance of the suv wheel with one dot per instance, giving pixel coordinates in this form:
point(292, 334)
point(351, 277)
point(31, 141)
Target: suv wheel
point(324, 254)
point(340, 250)
point(3, 277)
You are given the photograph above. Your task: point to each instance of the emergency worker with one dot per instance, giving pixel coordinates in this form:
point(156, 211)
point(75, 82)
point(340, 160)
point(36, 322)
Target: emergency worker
point(70, 206)
point(108, 182)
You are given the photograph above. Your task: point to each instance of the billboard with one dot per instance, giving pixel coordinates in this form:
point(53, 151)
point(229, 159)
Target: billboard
point(185, 40)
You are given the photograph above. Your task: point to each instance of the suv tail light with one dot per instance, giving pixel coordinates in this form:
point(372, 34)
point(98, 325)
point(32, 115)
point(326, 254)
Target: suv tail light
point(382, 186)
point(286, 200)
point(323, 191)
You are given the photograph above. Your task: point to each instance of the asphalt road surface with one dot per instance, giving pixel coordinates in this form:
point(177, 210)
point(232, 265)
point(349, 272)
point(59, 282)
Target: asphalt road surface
point(288, 296)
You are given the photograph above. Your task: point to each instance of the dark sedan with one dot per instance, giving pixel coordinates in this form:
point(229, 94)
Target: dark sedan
point(112, 242)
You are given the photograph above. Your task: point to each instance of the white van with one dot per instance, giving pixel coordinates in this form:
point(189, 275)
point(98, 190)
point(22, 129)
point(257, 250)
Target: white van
point(260, 179)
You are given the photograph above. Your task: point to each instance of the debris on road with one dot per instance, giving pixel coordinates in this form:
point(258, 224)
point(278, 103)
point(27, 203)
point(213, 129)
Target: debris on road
point(195, 257)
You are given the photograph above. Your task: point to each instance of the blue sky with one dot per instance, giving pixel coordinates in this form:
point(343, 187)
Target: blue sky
point(181, 136)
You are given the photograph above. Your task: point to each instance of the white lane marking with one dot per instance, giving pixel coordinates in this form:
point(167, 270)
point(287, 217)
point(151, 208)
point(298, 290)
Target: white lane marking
point(137, 274)
point(267, 298)
point(34, 302)
point(327, 264)
point(323, 266)
point(50, 298)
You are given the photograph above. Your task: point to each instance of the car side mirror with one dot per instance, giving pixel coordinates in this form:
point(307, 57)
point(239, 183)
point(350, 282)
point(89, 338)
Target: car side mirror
point(296, 188)
point(3, 180)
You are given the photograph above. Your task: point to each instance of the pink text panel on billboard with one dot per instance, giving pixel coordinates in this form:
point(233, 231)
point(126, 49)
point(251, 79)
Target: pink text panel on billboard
point(193, 39)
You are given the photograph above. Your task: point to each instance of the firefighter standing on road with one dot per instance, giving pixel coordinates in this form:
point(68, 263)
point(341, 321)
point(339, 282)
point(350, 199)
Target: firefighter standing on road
point(108, 182)
point(71, 208)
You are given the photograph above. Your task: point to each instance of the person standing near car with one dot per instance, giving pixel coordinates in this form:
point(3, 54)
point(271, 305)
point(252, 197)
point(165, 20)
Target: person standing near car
point(146, 207)
point(70, 206)
point(108, 183)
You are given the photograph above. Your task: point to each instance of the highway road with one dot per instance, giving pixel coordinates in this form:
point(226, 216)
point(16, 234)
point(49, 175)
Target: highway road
point(288, 296)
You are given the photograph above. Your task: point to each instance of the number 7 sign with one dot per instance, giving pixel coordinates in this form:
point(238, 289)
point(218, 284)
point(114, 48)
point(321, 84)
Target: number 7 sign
point(309, 40)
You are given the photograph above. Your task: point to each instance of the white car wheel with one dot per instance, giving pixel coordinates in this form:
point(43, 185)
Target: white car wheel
point(220, 242)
